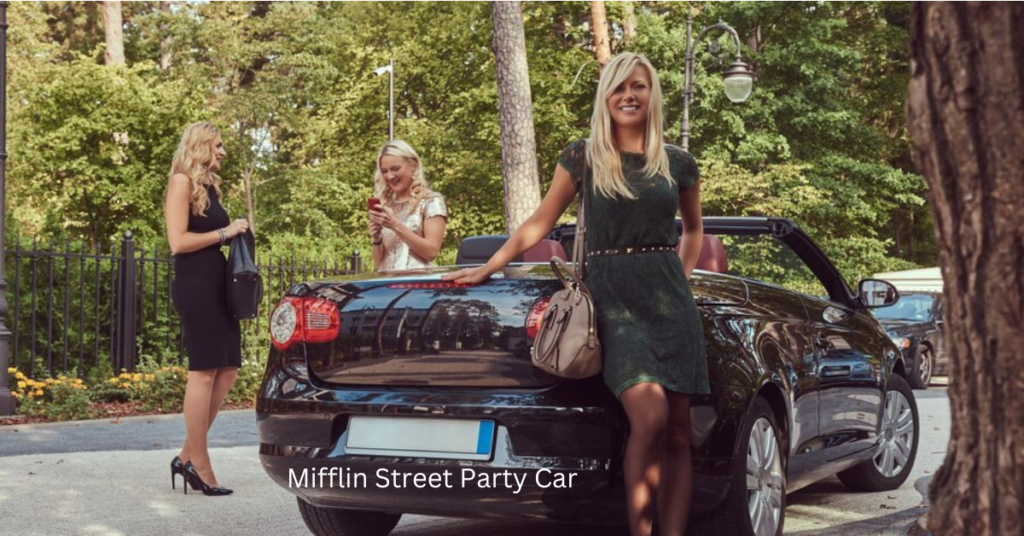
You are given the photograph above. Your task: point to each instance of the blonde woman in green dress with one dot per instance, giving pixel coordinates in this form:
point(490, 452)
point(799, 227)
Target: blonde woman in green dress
point(650, 329)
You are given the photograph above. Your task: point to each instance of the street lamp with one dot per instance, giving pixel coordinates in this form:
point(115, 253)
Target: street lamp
point(390, 69)
point(738, 79)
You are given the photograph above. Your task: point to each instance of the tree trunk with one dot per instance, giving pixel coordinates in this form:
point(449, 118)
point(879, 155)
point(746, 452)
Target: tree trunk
point(629, 25)
point(165, 40)
point(112, 25)
point(518, 145)
point(599, 25)
point(965, 113)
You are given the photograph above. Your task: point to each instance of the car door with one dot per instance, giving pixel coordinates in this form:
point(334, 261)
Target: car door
point(851, 391)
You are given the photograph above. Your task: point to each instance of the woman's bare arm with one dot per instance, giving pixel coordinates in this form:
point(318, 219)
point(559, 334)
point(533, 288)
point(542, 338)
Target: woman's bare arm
point(176, 208)
point(427, 246)
point(693, 227)
point(532, 231)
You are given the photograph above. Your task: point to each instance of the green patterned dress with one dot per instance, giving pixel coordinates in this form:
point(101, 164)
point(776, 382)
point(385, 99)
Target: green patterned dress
point(648, 322)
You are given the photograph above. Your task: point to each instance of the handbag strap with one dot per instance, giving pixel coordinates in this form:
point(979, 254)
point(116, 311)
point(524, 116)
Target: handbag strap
point(579, 255)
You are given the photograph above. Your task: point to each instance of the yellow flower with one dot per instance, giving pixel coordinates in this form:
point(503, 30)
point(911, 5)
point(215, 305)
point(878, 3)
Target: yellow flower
point(78, 381)
point(19, 375)
point(137, 378)
point(16, 394)
point(150, 377)
point(112, 380)
point(12, 370)
point(22, 385)
point(39, 393)
point(49, 381)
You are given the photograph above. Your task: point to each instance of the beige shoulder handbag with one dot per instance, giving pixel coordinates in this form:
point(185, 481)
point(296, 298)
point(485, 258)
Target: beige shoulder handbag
point(567, 343)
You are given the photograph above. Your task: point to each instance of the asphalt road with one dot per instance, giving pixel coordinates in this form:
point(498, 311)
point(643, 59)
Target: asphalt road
point(111, 478)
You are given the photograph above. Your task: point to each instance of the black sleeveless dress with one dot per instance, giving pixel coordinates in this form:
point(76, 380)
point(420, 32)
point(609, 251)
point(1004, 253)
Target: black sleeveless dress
point(199, 293)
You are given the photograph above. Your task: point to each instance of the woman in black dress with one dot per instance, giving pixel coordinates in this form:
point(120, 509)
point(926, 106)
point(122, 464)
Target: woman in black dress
point(651, 333)
point(197, 228)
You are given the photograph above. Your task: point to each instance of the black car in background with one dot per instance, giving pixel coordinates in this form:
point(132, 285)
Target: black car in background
point(914, 323)
point(394, 393)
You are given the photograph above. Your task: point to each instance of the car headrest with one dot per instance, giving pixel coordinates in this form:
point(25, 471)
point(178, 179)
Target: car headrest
point(478, 249)
point(544, 251)
point(712, 255)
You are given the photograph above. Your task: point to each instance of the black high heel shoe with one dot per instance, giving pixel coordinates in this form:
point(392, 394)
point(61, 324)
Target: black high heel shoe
point(177, 468)
point(193, 478)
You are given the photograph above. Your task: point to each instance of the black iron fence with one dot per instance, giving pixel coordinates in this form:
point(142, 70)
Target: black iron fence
point(72, 307)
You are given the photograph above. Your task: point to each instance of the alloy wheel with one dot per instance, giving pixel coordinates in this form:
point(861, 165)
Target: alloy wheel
point(764, 479)
point(897, 435)
point(925, 368)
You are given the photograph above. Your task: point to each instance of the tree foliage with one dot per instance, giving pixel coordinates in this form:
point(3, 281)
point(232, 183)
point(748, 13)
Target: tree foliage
point(822, 140)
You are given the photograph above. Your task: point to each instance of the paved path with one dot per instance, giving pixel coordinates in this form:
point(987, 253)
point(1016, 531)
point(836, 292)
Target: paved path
point(111, 478)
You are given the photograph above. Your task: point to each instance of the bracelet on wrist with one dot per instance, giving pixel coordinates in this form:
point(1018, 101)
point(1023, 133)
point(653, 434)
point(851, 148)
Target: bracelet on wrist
point(223, 235)
point(378, 242)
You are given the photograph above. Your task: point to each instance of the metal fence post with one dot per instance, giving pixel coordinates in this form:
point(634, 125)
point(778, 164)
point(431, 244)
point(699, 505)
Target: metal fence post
point(6, 397)
point(125, 353)
point(357, 262)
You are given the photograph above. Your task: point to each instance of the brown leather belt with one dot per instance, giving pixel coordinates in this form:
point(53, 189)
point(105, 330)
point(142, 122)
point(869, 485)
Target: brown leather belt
point(631, 251)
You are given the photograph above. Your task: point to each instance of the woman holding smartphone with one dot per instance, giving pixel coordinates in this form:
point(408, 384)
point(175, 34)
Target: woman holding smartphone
point(407, 219)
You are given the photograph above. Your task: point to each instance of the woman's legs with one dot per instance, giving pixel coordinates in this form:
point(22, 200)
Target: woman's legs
point(222, 385)
point(676, 468)
point(204, 395)
point(647, 408)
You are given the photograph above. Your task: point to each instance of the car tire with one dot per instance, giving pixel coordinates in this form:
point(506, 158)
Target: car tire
point(764, 493)
point(923, 368)
point(340, 522)
point(900, 437)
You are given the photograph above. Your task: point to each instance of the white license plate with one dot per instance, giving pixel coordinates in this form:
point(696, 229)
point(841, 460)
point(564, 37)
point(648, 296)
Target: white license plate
point(420, 438)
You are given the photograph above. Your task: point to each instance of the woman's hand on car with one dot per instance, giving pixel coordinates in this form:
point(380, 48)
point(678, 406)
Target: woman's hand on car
point(237, 227)
point(467, 276)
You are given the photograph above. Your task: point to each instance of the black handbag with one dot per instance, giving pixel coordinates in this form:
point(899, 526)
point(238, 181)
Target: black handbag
point(245, 286)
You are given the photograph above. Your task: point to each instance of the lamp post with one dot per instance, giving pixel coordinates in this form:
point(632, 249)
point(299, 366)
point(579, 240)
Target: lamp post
point(738, 79)
point(6, 398)
point(390, 69)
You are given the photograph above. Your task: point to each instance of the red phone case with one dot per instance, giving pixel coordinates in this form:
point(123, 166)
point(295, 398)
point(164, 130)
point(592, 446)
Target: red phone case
point(372, 203)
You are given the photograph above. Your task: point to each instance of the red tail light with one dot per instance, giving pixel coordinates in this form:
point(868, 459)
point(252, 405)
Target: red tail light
point(536, 317)
point(303, 320)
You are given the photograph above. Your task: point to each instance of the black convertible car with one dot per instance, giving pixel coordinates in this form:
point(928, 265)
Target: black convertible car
point(401, 393)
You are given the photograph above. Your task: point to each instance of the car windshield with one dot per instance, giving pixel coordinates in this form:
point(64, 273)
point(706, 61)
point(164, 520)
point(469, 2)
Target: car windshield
point(916, 307)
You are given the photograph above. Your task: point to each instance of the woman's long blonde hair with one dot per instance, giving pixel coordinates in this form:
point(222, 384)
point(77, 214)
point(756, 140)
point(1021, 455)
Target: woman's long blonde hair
point(602, 154)
point(403, 150)
point(192, 159)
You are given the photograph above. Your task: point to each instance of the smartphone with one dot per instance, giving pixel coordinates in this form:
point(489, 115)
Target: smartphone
point(372, 203)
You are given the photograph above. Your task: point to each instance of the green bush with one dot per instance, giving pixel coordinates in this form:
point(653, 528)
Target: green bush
point(157, 385)
point(250, 374)
point(68, 401)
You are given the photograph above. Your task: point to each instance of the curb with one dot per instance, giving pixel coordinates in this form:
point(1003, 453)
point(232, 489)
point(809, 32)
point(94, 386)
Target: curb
point(109, 420)
point(919, 527)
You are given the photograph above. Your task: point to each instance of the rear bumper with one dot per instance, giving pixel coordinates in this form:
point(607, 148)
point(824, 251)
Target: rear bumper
point(557, 455)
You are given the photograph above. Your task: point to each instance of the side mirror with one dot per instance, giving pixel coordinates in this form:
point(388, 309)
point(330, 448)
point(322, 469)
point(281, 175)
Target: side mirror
point(875, 293)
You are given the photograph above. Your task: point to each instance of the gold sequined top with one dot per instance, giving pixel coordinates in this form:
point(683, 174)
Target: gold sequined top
point(397, 255)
